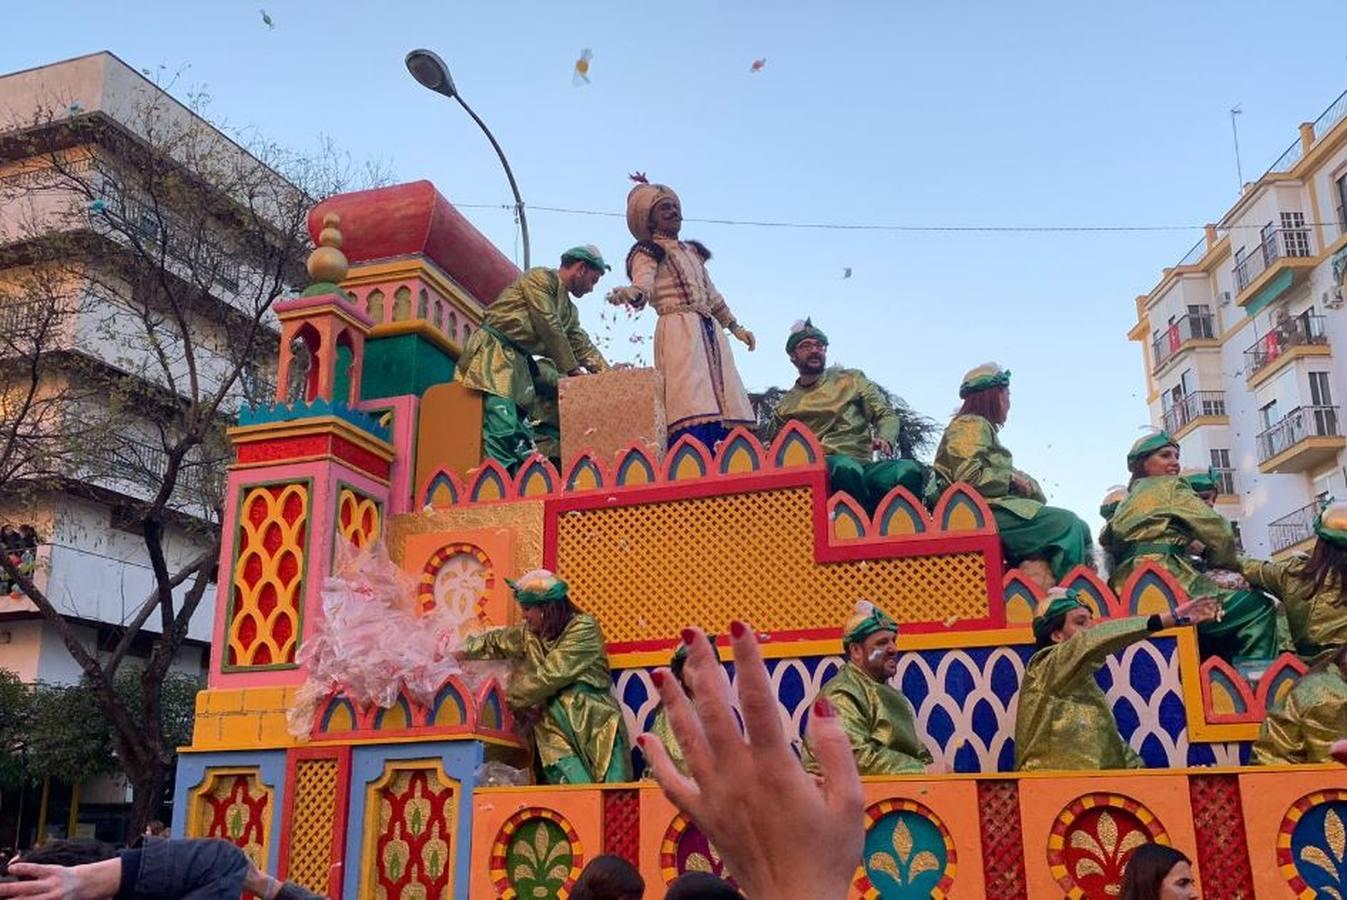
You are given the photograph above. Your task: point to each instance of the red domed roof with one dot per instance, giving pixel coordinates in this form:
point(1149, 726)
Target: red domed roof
point(414, 218)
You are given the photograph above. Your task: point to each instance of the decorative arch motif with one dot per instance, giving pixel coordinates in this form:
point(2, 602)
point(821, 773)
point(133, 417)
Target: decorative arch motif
point(739, 453)
point(909, 853)
point(265, 609)
point(536, 854)
point(234, 804)
point(686, 460)
point(1093, 838)
point(410, 831)
point(442, 489)
point(359, 518)
point(585, 475)
point(900, 513)
point(685, 849)
point(1312, 845)
point(459, 576)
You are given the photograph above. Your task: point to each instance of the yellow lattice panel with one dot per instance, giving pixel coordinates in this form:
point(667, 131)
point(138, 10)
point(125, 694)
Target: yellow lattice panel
point(268, 575)
point(358, 517)
point(311, 820)
point(648, 570)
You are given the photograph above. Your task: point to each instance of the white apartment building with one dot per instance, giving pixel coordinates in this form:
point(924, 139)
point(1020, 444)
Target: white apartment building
point(89, 562)
point(1244, 343)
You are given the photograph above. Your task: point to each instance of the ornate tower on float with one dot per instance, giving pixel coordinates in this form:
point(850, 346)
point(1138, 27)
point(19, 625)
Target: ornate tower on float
point(368, 438)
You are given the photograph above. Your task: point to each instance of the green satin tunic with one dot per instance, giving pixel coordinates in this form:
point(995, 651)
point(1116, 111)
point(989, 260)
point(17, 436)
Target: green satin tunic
point(1313, 716)
point(878, 720)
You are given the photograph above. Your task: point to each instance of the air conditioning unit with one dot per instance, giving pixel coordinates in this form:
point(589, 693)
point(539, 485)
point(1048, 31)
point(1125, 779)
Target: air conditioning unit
point(1225, 298)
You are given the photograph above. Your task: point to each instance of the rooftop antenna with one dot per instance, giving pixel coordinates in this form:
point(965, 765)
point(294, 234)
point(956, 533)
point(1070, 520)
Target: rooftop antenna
point(1234, 129)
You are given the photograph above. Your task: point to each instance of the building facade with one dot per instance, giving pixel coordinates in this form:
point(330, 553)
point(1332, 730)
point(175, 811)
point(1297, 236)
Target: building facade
point(1242, 342)
point(90, 559)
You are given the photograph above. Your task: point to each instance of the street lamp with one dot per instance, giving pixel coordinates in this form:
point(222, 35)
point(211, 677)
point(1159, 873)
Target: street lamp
point(431, 72)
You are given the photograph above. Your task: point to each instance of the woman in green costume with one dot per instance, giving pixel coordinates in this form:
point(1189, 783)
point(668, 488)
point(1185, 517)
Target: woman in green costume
point(1312, 590)
point(1314, 715)
point(561, 682)
point(1044, 541)
point(1163, 521)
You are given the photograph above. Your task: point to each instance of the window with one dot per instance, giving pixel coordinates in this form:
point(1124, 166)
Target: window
point(1225, 474)
point(1325, 414)
point(1295, 236)
point(1342, 203)
point(1200, 322)
point(1320, 392)
point(1267, 415)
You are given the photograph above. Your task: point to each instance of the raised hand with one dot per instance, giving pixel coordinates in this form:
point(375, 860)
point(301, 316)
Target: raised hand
point(743, 334)
point(749, 794)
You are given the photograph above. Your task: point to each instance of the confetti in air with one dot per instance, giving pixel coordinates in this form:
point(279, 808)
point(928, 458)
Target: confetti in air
point(581, 75)
point(758, 64)
point(266, 20)
point(846, 273)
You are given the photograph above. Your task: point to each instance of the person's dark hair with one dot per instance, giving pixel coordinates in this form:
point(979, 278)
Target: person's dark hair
point(556, 616)
point(677, 665)
point(68, 852)
point(1054, 624)
point(609, 877)
point(28, 538)
point(1146, 871)
point(156, 828)
point(1328, 565)
point(701, 886)
point(989, 403)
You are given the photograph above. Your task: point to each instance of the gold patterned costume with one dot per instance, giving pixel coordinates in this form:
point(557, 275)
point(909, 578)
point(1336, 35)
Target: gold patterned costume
point(533, 316)
point(579, 734)
point(1317, 619)
point(1063, 720)
point(1157, 522)
point(1313, 716)
point(971, 452)
point(662, 730)
point(879, 722)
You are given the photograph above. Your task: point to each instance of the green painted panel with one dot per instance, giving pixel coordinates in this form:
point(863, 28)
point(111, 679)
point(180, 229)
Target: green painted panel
point(1269, 292)
point(403, 364)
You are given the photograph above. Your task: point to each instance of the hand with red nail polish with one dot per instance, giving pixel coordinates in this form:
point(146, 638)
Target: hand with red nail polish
point(748, 793)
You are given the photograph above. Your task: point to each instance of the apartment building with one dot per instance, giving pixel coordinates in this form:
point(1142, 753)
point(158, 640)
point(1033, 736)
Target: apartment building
point(90, 559)
point(1244, 338)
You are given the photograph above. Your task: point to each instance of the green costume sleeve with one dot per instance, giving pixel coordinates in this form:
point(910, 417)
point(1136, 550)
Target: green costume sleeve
point(1270, 576)
point(574, 652)
point(1206, 525)
point(1035, 491)
point(541, 289)
point(498, 643)
point(1083, 654)
point(871, 757)
point(972, 457)
point(878, 412)
point(1281, 739)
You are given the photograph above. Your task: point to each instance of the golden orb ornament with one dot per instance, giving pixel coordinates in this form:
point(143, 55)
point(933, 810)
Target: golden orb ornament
point(327, 264)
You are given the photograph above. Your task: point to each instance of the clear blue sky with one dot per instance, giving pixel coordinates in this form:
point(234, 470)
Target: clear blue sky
point(957, 113)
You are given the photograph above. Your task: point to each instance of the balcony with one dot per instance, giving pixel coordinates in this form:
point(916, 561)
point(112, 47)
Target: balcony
point(1283, 258)
point(1188, 413)
point(1290, 340)
point(1308, 437)
point(1181, 335)
point(1286, 533)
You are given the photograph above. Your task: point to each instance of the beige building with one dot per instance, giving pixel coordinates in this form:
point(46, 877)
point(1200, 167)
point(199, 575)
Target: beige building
point(1242, 340)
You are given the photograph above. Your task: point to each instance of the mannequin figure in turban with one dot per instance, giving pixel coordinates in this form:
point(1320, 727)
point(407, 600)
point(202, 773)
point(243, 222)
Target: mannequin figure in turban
point(1063, 720)
point(1313, 716)
point(561, 681)
point(1045, 542)
point(874, 714)
point(703, 395)
point(1313, 590)
point(851, 419)
point(1162, 521)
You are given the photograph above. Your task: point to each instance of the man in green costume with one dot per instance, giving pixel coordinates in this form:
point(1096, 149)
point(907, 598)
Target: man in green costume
point(875, 715)
point(560, 681)
point(1313, 716)
point(851, 419)
point(534, 316)
point(1045, 542)
point(1164, 522)
point(1063, 720)
point(660, 726)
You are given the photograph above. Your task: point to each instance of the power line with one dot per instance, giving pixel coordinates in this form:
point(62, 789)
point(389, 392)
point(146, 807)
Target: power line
point(843, 226)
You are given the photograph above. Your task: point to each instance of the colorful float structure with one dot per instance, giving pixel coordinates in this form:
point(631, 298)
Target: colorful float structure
point(369, 439)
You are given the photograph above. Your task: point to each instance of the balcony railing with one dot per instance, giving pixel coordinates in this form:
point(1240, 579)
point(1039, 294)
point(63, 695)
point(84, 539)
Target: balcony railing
point(1294, 527)
point(1300, 424)
point(1301, 331)
point(1193, 406)
point(1187, 328)
point(1277, 243)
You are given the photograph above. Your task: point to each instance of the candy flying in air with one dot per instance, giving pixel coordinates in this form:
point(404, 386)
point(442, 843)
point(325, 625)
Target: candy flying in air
point(581, 75)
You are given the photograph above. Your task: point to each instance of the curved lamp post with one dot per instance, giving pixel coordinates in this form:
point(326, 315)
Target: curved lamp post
point(431, 72)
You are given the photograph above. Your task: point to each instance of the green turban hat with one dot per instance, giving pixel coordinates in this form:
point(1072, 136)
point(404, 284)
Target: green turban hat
point(538, 588)
point(984, 377)
point(1203, 481)
point(803, 331)
point(1057, 603)
point(682, 652)
point(867, 620)
point(1109, 505)
point(1147, 445)
point(1331, 525)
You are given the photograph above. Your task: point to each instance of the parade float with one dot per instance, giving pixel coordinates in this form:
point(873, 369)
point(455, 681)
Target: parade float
point(368, 442)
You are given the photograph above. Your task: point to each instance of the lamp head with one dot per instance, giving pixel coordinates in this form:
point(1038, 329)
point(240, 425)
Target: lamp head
point(431, 72)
